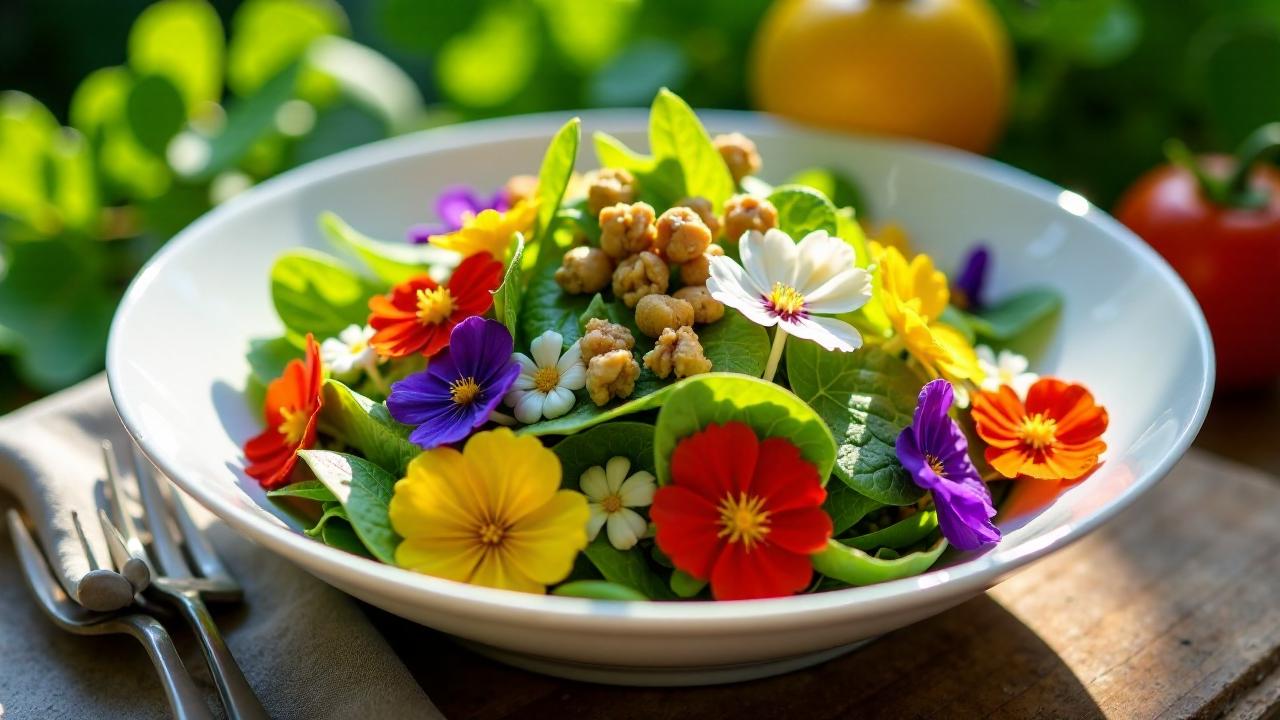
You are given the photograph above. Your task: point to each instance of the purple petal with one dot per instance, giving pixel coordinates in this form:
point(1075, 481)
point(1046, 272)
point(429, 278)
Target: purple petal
point(421, 234)
point(455, 202)
point(478, 345)
point(972, 279)
point(964, 515)
point(500, 201)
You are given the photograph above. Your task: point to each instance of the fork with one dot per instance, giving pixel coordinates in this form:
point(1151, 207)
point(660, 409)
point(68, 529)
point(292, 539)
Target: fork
point(185, 699)
point(173, 580)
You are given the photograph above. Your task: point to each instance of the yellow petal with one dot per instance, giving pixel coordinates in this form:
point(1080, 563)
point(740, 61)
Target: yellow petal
point(544, 543)
point(517, 473)
point(452, 560)
point(929, 286)
point(436, 494)
point(497, 570)
point(957, 359)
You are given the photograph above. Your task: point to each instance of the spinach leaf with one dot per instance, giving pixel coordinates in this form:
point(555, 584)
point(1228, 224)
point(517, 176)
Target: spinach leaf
point(554, 175)
point(544, 305)
point(597, 445)
point(332, 509)
point(685, 585)
point(392, 263)
point(341, 535)
point(846, 506)
point(675, 132)
point(901, 534)
point(314, 293)
point(802, 210)
point(661, 180)
point(627, 567)
point(854, 567)
point(1015, 314)
point(365, 491)
point(598, 590)
point(842, 191)
point(268, 357)
point(506, 299)
point(307, 490)
point(366, 426)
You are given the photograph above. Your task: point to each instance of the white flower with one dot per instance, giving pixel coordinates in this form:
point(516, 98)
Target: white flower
point(610, 497)
point(546, 382)
point(350, 350)
point(788, 284)
point(1009, 368)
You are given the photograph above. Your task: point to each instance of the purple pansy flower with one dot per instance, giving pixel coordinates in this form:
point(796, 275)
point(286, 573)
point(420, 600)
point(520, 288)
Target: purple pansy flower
point(934, 450)
point(968, 288)
point(461, 386)
point(453, 205)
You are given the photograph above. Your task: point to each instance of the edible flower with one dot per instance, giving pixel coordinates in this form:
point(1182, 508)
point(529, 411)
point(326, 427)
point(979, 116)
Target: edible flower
point(744, 514)
point(914, 294)
point(419, 314)
point(489, 231)
point(460, 388)
point(291, 409)
point(611, 493)
point(350, 351)
point(546, 382)
point(1055, 435)
point(968, 290)
point(454, 205)
point(789, 284)
point(1007, 368)
point(935, 452)
point(490, 515)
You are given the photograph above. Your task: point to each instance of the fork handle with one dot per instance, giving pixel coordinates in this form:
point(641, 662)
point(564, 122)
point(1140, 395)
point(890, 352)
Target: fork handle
point(237, 695)
point(185, 699)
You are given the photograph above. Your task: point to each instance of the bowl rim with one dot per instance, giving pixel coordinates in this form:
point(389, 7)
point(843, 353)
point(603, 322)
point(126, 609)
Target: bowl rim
point(935, 586)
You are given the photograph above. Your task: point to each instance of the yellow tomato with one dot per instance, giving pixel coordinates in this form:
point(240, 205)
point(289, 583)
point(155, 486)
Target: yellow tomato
point(937, 70)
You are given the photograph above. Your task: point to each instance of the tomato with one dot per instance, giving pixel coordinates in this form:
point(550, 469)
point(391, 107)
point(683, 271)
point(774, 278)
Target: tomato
point(938, 70)
point(1228, 254)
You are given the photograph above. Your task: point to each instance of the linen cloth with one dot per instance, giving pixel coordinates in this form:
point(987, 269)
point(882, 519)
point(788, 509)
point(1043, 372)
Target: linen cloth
point(306, 648)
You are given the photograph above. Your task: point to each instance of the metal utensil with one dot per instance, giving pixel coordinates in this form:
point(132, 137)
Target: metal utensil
point(185, 699)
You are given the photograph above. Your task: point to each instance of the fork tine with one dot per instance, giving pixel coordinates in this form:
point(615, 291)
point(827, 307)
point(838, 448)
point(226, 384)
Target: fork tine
point(123, 538)
point(206, 558)
point(168, 553)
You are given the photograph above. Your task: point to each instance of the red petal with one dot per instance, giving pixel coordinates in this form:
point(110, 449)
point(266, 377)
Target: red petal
point(687, 524)
point(784, 479)
point(717, 461)
point(762, 571)
point(803, 531)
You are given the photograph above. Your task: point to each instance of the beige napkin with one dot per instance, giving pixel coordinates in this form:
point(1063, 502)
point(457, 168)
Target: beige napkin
point(306, 648)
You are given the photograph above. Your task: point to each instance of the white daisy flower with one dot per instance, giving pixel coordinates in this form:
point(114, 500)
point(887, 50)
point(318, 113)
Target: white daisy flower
point(1007, 368)
point(349, 351)
point(610, 496)
point(546, 382)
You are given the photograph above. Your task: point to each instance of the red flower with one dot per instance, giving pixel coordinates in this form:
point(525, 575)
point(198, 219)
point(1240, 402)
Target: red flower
point(419, 314)
point(742, 513)
point(291, 408)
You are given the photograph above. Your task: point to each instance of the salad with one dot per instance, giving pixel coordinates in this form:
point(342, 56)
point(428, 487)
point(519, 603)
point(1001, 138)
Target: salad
point(660, 379)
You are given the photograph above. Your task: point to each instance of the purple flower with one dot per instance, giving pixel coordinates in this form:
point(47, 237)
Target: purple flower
point(453, 205)
point(936, 453)
point(967, 291)
point(461, 386)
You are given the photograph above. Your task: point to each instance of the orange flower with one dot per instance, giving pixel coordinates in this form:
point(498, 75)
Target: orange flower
point(419, 314)
point(1056, 435)
point(291, 408)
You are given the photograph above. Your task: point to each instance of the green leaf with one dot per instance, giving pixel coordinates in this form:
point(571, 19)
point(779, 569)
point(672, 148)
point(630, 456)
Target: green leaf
point(846, 506)
point(391, 262)
point(661, 182)
point(307, 490)
point(1015, 314)
point(248, 121)
point(331, 511)
point(833, 184)
point(314, 293)
point(183, 41)
point(627, 567)
point(367, 427)
point(545, 306)
point(735, 344)
point(156, 112)
point(268, 35)
point(27, 130)
point(554, 175)
point(98, 109)
point(901, 534)
point(802, 210)
point(339, 534)
point(508, 296)
point(613, 153)
point(75, 183)
point(365, 491)
point(685, 585)
point(855, 567)
point(960, 321)
point(370, 80)
point(1237, 98)
point(589, 32)
point(867, 397)
point(598, 445)
point(269, 356)
point(494, 59)
point(675, 132)
point(769, 409)
point(637, 73)
point(598, 590)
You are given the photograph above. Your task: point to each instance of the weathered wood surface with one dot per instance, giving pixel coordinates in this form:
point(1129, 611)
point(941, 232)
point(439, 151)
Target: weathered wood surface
point(1170, 610)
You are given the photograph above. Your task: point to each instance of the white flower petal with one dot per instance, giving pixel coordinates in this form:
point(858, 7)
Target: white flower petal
point(529, 408)
point(731, 277)
point(819, 257)
point(595, 520)
point(515, 395)
point(571, 357)
point(559, 401)
point(593, 484)
point(616, 471)
point(622, 534)
point(638, 489)
point(1022, 384)
point(776, 259)
point(757, 313)
point(731, 292)
point(546, 348)
point(830, 333)
point(844, 292)
point(351, 335)
point(639, 525)
point(524, 381)
point(1012, 363)
point(986, 358)
point(527, 366)
point(574, 377)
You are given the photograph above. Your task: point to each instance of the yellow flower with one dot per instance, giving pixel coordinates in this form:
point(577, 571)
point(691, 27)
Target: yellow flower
point(914, 294)
point(490, 515)
point(490, 231)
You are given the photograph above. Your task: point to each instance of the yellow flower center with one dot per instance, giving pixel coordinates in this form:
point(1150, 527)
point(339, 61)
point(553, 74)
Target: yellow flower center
point(358, 347)
point(611, 504)
point(464, 390)
point(434, 306)
point(491, 533)
point(294, 425)
point(743, 519)
point(785, 301)
point(1039, 431)
point(546, 379)
point(936, 466)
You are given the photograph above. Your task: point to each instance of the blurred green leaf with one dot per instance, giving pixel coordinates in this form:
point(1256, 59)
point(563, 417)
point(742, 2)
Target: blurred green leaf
point(75, 187)
point(416, 26)
point(314, 293)
point(338, 129)
point(100, 99)
point(369, 80)
point(155, 111)
point(391, 262)
point(247, 121)
point(589, 32)
point(633, 77)
point(490, 62)
point(27, 131)
point(1094, 33)
point(182, 40)
point(268, 35)
point(802, 210)
point(1241, 84)
point(835, 185)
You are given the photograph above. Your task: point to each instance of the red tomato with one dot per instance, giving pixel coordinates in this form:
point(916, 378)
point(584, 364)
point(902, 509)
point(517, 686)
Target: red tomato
point(1228, 256)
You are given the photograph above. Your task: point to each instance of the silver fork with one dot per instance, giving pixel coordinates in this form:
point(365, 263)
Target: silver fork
point(185, 699)
point(174, 582)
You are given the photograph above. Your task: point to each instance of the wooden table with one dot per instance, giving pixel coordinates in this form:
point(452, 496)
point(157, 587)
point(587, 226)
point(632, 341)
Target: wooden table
point(1170, 610)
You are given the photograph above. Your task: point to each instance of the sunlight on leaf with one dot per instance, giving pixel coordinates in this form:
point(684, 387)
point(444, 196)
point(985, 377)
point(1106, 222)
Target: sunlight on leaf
point(182, 40)
point(493, 60)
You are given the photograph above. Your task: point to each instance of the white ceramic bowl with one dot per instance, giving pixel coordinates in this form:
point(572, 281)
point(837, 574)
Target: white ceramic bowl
point(1129, 329)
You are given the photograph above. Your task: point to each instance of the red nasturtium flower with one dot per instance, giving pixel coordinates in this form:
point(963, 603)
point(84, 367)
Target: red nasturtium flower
point(419, 314)
point(1055, 435)
point(743, 513)
point(291, 408)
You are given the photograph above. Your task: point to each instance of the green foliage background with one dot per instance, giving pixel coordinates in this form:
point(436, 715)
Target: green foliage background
point(125, 120)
